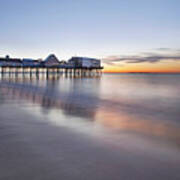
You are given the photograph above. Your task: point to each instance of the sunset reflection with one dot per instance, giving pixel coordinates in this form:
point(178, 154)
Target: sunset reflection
point(111, 114)
point(120, 122)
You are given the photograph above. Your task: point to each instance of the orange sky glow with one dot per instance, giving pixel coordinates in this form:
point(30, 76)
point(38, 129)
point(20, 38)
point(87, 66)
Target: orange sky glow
point(160, 67)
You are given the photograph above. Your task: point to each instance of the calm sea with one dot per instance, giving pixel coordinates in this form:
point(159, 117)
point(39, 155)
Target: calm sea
point(109, 127)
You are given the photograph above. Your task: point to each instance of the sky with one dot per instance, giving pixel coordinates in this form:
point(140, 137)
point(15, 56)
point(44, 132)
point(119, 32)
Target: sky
point(127, 35)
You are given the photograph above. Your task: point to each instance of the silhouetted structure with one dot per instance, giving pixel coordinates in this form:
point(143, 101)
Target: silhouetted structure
point(7, 61)
point(76, 65)
point(51, 61)
point(31, 63)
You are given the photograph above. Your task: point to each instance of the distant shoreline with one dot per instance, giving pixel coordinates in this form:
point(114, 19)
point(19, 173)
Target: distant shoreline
point(173, 73)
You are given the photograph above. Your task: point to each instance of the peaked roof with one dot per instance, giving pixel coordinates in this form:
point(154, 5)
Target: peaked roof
point(51, 57)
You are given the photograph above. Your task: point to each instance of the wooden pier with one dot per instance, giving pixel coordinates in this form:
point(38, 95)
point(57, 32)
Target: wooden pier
point(76, 65)
point(49, 70)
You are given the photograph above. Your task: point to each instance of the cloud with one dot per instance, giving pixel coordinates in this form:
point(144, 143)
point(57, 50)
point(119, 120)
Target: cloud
point(113, 63)
point(150, 57)
point(163, 49)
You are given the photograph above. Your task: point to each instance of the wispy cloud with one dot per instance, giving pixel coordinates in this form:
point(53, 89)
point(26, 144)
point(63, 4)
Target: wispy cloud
point(164, 49)
point(150, 57)
point(113, 63)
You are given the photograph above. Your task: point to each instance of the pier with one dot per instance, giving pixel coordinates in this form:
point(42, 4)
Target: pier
point(49, 70)
point(51, 65)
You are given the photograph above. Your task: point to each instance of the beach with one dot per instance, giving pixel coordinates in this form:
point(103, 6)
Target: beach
point(115, 126)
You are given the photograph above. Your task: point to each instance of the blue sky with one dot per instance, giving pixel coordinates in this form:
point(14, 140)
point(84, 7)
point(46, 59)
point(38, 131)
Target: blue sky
point(96, 28)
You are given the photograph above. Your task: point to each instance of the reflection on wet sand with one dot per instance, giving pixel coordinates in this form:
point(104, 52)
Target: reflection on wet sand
point(48, 97)
point(75, 101)
point(120, 121)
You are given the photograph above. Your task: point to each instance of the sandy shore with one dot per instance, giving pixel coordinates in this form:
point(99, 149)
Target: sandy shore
point(31, 148)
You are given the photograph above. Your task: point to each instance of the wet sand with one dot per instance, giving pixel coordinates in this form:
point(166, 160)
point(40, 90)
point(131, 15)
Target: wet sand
point(34, 149)
point(56, 137)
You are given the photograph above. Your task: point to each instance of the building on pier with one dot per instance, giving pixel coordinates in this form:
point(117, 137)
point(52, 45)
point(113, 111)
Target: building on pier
point(76, 65)
point(84, 62)
point(13, 62)
point(31, 62)
point(51, 61)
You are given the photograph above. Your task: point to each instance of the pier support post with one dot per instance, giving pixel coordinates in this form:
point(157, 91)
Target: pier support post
point(66, 71)
point(37, 71)
point(2, 70)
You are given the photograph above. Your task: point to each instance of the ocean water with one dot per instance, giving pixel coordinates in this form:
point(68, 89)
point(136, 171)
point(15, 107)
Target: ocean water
point(114, 126)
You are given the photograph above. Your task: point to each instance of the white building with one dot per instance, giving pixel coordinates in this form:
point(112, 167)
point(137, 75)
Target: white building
point(85, 62)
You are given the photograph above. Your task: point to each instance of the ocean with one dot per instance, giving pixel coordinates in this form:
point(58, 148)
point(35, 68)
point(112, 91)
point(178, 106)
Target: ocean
point(109, 127)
